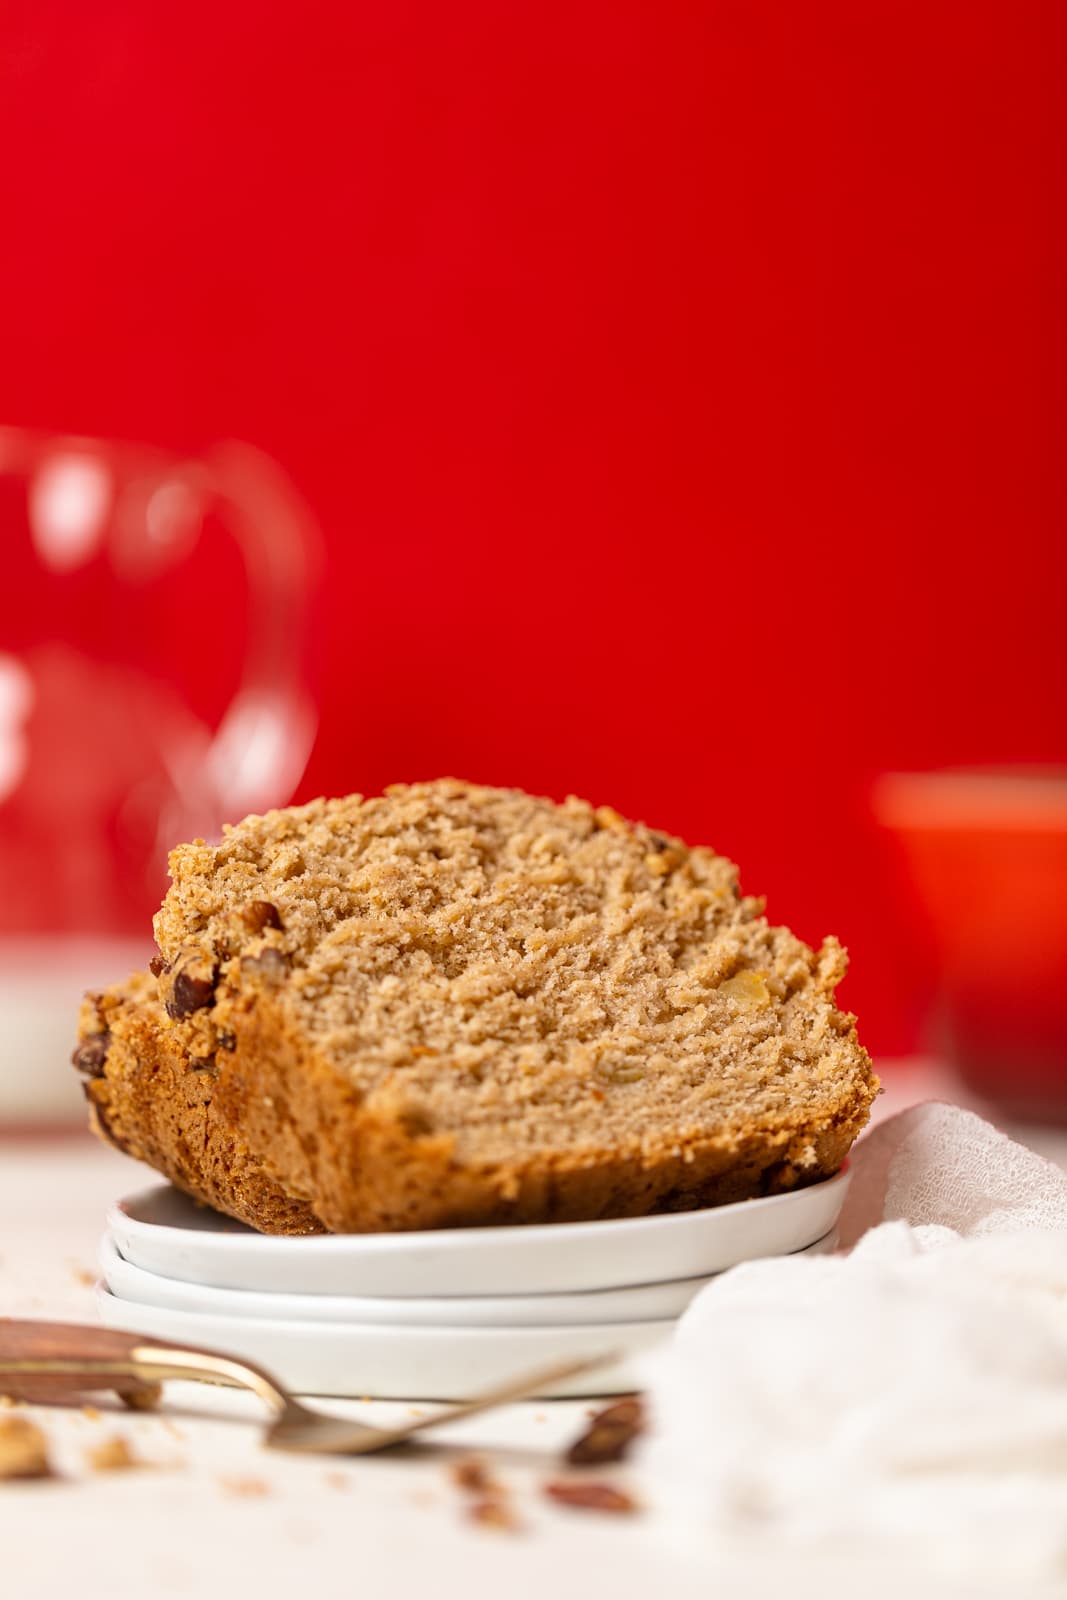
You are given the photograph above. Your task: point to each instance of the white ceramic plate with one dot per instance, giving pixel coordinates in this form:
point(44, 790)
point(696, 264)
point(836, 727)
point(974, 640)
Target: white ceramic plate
point(649, 1302)
point(644, 1302)
point(401, 1363)
point(164, 1232)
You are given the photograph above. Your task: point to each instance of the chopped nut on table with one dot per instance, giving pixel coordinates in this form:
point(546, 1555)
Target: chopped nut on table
point(494, 1512)
point(609, 1435)
point(144, 1398)
point(586, 1496)
point(472, 1475)
point(491, 1506)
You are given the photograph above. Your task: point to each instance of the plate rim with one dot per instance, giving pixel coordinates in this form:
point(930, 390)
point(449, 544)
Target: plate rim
point(443, 1240)
point(537, 1308)
point(410, 1332)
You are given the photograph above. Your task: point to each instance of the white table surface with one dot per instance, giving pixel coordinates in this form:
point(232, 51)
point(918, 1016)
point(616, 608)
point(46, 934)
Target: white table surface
point(391, 1525)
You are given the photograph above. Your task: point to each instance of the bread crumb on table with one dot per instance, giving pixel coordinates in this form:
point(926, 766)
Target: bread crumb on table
point(23, 1450)
point(113, 1454)
point(245, 1488)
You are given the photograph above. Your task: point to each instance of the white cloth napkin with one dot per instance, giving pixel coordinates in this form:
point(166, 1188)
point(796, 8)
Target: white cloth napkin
point(912, 1392)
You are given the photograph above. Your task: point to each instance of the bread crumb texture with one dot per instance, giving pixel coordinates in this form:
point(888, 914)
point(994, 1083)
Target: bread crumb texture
point(455, 1005)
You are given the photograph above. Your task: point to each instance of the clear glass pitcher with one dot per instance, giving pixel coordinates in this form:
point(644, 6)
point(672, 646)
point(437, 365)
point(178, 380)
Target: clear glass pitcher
point(154, 627)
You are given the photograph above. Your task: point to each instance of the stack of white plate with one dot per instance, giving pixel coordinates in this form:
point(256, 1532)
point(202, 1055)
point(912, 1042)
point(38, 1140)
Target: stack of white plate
point(436, 1315)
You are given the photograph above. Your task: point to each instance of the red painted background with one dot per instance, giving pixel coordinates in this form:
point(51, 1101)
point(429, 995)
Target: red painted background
point(681, 387)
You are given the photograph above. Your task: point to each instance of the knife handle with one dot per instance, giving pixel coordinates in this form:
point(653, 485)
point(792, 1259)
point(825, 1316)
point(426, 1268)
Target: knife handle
point(62, 1361)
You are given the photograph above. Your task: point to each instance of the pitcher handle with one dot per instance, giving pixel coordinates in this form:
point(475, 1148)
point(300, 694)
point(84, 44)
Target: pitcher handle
point(262, 744)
